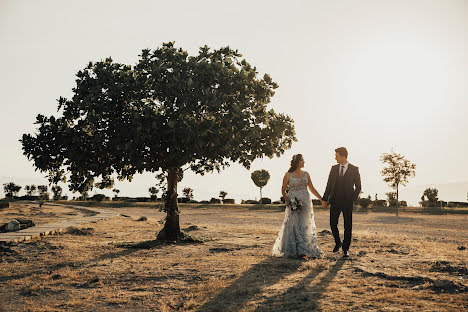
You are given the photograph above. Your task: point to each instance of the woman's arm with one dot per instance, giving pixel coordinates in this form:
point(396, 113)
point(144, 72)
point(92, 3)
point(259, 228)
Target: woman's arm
point(284, 186)
point(312, 189)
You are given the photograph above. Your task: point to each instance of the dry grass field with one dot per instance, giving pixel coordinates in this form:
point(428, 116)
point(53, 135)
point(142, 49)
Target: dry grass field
point(413, 262)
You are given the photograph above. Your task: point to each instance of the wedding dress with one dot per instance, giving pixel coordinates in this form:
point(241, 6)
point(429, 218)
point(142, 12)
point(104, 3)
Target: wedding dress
point(297, 236)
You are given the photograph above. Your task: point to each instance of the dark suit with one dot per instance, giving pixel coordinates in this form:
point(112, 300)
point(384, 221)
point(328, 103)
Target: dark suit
point(341, 192)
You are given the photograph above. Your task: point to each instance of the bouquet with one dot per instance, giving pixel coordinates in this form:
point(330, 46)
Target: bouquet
point(295, 204)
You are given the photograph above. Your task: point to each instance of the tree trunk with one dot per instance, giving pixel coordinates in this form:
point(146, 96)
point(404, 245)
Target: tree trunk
point(397, 201)
point(260, 201)
point(171, 230)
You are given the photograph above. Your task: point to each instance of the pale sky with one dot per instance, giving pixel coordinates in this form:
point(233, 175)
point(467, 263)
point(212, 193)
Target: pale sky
point(368, 75)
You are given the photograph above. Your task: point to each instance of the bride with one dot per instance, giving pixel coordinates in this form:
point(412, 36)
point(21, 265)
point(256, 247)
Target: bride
point(297, 236)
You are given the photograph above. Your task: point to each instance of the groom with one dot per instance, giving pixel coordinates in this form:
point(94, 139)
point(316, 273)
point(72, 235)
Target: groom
point(343, 188)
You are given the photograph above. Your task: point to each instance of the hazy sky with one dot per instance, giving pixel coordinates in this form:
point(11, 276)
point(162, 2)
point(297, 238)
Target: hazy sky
point(369, 75)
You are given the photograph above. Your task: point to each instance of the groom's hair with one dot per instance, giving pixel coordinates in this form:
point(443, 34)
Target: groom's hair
point(342, 151)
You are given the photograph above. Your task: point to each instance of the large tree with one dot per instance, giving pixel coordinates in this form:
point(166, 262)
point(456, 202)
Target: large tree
point(397, 171)
point(170, 112)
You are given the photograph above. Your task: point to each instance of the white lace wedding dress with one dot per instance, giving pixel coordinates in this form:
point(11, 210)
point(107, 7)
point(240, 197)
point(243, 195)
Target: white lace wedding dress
point(297, 236)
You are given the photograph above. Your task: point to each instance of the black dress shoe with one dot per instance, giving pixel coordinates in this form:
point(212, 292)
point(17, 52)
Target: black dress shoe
point(345, 254)
point(337, 247)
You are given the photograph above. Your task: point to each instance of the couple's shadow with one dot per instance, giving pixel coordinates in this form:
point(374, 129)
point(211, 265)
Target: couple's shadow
point(250, 286)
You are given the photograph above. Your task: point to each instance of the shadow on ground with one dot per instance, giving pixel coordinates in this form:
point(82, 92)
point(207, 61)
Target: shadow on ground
point(300, 297)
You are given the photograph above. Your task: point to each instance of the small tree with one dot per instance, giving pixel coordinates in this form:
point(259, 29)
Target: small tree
point(397, 171)
point(260, 178)
point(432, 195)
point(116, 192)
point(222, 195)
point(391, 199)
point(57, 192)
point(43, 194)
point(84, 195)
point(153, 192)
point(31, 190)
point(188, 193)
point(11, 189)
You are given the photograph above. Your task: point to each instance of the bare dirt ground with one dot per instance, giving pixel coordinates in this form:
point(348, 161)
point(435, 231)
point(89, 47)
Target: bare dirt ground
point(48, 213)
point(413, 262)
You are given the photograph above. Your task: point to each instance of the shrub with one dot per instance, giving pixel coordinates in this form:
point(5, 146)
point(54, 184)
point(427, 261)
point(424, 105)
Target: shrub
point(204, 202)
point(183, 200)
point(28, 197)
point(427, 203)
point(364, 202)
point(193, 201)
point(229, 201)
point(99, 197)
point(265, 201)
point(215, 201)
point(379, 203)
point(251, 201)
point(452, 204)
point(143, 199)
point(277, 202)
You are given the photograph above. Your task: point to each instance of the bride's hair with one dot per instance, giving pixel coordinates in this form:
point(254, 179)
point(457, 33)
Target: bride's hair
point(295, 162)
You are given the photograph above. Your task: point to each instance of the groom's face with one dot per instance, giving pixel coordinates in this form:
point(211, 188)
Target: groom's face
point(340, 159)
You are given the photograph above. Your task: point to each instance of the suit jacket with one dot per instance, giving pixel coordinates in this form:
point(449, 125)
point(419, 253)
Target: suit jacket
point(352, 181)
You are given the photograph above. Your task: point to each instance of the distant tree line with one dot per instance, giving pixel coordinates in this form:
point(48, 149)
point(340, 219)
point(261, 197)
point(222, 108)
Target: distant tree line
point(396, 173)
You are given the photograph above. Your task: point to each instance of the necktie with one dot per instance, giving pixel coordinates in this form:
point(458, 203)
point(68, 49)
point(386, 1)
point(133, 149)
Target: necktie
point(341, 172)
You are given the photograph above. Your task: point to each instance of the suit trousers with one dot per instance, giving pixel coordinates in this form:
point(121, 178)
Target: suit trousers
point(347, 211)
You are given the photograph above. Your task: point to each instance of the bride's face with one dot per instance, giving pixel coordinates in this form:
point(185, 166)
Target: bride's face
point(301, 163)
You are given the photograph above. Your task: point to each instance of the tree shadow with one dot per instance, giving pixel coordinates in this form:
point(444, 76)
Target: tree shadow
point(263, 274)
point(303, 296)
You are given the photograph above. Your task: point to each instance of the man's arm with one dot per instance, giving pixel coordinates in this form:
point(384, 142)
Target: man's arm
point(357, 184)
point(327, 189)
